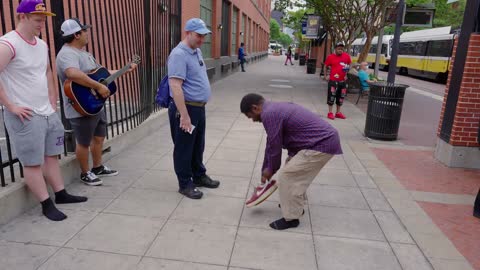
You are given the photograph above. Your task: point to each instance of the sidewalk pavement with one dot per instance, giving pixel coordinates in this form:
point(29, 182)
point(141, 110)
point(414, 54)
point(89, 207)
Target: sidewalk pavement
point(360, 214)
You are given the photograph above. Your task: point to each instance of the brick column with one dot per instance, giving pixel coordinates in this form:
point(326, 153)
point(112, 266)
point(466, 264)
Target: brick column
point(462, 150)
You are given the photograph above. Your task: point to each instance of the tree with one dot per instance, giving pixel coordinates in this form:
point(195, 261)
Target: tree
point(285, 40)
point(274, 30)
point(346, 20)
point(293, 19)
point(342, 24)
point(371, 14)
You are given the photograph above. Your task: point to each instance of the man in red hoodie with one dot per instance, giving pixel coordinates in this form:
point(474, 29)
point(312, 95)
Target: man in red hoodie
point(339, 63)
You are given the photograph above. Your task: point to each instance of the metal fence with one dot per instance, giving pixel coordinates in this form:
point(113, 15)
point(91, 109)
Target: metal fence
point(120, 29)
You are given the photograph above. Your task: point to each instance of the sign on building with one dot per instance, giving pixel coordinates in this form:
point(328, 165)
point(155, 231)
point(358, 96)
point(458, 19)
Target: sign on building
point(313, 27)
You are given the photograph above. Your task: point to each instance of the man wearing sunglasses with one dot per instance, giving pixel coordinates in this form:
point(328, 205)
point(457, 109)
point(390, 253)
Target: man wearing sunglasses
point(190, 90)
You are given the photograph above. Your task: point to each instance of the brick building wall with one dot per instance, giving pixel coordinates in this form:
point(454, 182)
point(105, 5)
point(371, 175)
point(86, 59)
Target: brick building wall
point(256, 36)
point(467, 116)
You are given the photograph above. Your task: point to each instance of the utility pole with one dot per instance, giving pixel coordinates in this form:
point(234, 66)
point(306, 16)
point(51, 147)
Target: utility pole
point(380, 42)
point(396, 42)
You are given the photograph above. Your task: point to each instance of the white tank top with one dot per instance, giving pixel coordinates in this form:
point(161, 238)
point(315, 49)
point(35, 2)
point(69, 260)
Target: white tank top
point(25, 77)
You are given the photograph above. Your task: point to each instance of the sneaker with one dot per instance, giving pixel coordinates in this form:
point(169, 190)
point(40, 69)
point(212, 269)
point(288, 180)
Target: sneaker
point(104, 171)
point(90, 179)
point(330, 116)
point(206, 181)
point(340, 115)
point(261, 193)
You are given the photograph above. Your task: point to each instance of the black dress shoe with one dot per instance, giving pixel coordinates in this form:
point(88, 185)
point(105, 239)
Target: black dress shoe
point(206, 181)
point(192, 193)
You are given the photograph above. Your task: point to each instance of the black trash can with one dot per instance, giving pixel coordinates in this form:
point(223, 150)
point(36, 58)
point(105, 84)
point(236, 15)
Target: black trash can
point(302, 58)
point(384, 110)
point(295, 56)
point(311, 66)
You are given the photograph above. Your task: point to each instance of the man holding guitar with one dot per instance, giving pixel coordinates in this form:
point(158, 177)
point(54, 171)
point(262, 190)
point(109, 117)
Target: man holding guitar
point(29, 96)
point(73, 63)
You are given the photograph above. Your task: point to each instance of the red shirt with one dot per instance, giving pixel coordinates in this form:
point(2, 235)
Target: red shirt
point(337, 63)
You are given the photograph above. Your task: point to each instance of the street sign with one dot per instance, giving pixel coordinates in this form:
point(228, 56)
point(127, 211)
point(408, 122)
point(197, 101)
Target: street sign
point(419, 17)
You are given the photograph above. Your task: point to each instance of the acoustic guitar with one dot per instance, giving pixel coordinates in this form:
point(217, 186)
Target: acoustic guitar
point(87, 101)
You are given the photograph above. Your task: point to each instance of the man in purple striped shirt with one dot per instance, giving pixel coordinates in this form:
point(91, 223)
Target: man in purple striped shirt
point(311, 142)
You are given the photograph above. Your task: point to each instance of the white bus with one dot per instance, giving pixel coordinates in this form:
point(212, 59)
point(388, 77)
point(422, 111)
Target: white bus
point(386, 51)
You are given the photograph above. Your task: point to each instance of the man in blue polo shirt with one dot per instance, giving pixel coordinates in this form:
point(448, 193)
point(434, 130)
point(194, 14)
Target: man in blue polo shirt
point(190, 90)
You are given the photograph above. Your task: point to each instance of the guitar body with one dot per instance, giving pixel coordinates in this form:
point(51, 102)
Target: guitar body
point(87, 101)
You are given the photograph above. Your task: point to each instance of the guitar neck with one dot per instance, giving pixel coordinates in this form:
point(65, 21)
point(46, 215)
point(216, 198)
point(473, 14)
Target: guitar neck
point(117, 74)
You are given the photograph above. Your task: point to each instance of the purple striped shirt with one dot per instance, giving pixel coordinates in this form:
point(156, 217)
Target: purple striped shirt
point(292, 127)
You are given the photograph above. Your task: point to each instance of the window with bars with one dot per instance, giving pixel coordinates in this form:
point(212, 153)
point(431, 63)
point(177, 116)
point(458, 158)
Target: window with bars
point(234, 31)
point(206, 14)
point(225, 28)
point(244, 29)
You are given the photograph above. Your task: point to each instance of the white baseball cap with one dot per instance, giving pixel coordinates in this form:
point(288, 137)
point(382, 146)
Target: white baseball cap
point(72, 26)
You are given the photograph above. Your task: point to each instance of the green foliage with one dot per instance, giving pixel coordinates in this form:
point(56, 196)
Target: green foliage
point(285, 40)
point(445, 15)
point(274, 30)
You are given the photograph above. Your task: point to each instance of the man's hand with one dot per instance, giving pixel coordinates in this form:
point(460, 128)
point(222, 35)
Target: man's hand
point(23, 113)
point(266, 175)
point(185, 123)
point(133, 66)
point(325, 78)
point(103, 91)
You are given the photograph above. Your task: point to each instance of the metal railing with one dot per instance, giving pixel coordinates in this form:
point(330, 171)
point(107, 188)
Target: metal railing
point(148, 28)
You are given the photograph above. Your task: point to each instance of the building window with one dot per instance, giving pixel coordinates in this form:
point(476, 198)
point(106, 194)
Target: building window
point(206, 15)
point(250, 31)
point(234, 31)
point(225, 27)
point(244, 29)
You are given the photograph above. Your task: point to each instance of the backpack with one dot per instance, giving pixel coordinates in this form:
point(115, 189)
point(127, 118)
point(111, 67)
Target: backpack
point(163, 93)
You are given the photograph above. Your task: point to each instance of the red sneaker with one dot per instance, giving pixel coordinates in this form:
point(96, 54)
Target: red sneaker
point(261, 193)
point(330, 116)
point(340, 115)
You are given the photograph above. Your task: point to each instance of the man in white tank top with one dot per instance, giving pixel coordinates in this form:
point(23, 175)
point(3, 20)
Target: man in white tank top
point(28, 92)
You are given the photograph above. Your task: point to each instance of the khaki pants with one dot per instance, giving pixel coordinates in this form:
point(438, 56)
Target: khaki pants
point(294, 179)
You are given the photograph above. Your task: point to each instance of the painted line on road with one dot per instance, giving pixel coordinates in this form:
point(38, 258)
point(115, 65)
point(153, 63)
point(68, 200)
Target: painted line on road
point(280, 86)
point(425, 93)
point(278, 80)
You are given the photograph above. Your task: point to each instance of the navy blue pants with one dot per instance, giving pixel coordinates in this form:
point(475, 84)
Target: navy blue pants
point(188, 149)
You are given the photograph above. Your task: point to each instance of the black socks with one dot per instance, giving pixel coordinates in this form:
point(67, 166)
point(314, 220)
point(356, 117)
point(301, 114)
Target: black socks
point(51, 212)
point(283, 224)
point(62, 197)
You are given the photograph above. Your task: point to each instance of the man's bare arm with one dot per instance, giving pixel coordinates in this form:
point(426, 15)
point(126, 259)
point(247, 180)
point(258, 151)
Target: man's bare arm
point(5, 58)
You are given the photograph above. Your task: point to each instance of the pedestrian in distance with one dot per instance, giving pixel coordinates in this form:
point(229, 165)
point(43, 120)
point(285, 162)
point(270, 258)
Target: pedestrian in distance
point(289, 56)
